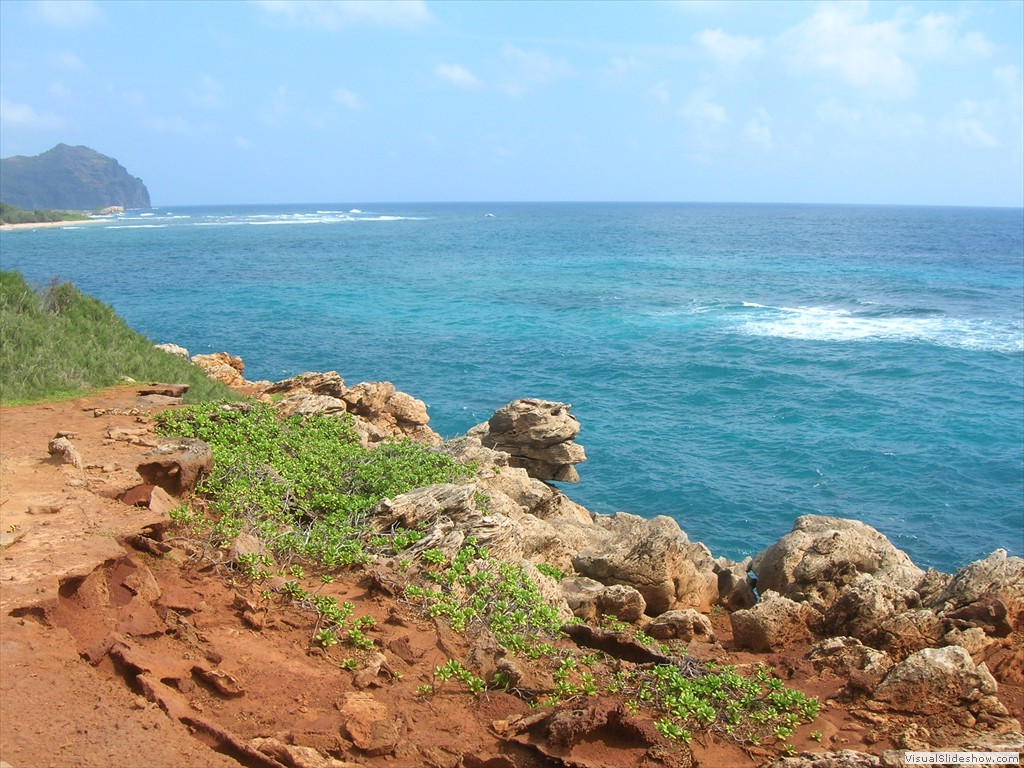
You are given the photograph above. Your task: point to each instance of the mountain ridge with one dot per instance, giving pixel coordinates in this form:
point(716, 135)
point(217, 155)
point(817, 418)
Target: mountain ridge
point(70, 178)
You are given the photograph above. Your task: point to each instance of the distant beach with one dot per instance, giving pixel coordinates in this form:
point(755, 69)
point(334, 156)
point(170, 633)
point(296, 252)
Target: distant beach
point(49, 224)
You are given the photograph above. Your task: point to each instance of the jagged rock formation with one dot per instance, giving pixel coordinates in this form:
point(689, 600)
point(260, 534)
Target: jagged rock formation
point(69, 178)
point(538, 436)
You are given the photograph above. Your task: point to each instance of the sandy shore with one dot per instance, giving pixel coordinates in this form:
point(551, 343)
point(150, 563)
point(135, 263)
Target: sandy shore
point(48, 224)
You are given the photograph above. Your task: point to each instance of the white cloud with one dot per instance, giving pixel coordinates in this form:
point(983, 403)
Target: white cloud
point(241, 142)
point(938, 35)
point(68, 60)
point(701, 111)
point(345, 98)
point(335, 14)
point(171, 124)
point(24, 115)
point(836, 40)
point(208, 92)
point(758, 130)
point(659, 92)
point(67, 13)
point(729, 50)
point(457, 75)
point(531, 68)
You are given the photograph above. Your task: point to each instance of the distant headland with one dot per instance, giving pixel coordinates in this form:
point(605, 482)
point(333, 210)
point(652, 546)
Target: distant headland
point(70, 178)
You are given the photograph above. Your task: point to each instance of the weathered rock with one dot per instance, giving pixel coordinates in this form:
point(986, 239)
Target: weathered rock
point(538, 436)
point(623, 602)
point(935, 680)
point(307, 404)
point(581, 594)
point(822, 555)
point(863, 605)
point(177, 467)
point(735, 587)
point(773, 624)
point(296, 756)
point(988, 593)
point(904, 633)
point(468, 448)
point(396, 413)
point(849, 657)
point(329, 384)
point(63, 452)
point(845, 758)
point(686, 625)
point(654, 557)
point(369, 724)
point(223, 367)
point(173, 349)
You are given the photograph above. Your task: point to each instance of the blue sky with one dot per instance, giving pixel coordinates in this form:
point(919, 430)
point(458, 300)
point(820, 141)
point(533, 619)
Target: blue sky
point(291, 101)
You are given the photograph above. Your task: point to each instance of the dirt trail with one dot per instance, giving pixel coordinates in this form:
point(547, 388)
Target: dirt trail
point(119, 650)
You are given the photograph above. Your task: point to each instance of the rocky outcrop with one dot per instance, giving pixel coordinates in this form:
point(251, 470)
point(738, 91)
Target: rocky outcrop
point(988, 594)
point(538, 436)
point(395, 413)
point(933, 680)
point(173, 349)
point(177, 467)
point(654, 557)
point(773, 624)
point(591, 600)
point(685, 625)
point(822, 555)
point(224, 368)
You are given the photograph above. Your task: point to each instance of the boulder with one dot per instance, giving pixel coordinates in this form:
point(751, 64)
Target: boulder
point(223, 367)
point(773, 624)
point(328, 383)
point(654, 557)
point(850, 658)
point(177, 467)
point(173, 349)
point(308, 404)
point(686, 625)
point(622, 602)
point(935, 680)
point(863, 605)
point(822, 555)
point(395, 413)
point(369, 724)
point(987, 593)
point(735, 586)
point(537, 435)
point(63, 452)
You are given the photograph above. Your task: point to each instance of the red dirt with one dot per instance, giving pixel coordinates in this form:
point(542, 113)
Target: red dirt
point(116, 655)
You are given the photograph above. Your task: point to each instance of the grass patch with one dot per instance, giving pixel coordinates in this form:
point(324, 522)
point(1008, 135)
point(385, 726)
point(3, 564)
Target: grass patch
point(10, 214)
point(57, 343)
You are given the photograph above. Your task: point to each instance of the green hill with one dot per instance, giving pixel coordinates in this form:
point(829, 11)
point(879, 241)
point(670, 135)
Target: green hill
point(57, 342)
point(69, 178)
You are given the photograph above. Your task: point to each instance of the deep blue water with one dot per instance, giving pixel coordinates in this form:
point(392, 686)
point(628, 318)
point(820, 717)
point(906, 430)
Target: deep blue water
point(733, 366)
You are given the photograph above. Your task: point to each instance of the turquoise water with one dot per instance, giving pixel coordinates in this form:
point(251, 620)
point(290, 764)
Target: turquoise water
point(733, 366)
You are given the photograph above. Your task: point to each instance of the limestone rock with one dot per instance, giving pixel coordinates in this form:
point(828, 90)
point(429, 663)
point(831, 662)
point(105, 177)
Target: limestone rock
point(822, 555)
point(847, 656)
point(773, 624)
point(845, 758)
point(63, 452)
point(735, 587)
point(655, 557)
point(396, 413)
point(469, 448)
point(297, 756)
point(177, 467)
point(538, 436)
point(223, 367)
point(369, 724)
point(987, 593)
point(307, 404)
point(173, 349)
point(863, 605)
point(581, 594)
point(934, 680)
point(686, 625)
point(329, 384)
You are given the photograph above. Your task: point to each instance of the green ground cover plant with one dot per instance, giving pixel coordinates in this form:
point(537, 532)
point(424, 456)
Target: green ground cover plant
point(11, 214)
point(302, 485)
point(56, 343)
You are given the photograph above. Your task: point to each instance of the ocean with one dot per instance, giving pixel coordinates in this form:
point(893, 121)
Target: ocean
point(732, 366)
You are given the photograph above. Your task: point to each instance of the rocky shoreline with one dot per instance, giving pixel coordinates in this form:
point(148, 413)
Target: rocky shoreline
point(927, 650)
point(99, 594)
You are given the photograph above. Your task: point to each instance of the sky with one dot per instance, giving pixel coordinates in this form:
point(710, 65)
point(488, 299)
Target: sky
point(288, 101)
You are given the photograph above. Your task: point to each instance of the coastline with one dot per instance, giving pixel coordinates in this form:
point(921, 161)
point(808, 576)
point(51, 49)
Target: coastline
point(47, 224)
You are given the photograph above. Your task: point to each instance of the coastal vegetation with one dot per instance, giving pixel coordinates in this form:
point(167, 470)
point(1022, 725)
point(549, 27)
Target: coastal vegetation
point(10, 214)
point(57, 343)
point(305, 489)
